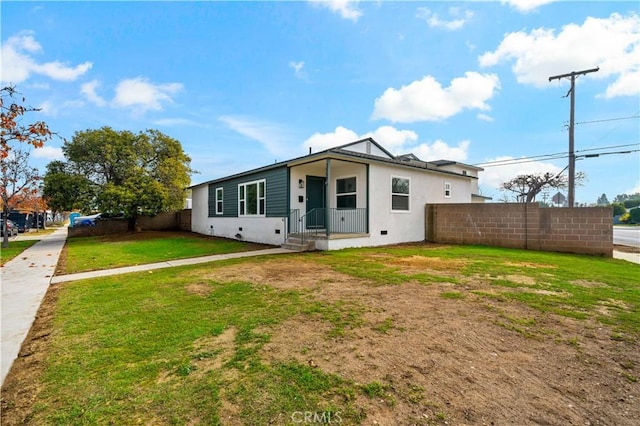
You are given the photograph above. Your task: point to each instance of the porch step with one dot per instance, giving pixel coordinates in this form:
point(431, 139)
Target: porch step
point(296, 244)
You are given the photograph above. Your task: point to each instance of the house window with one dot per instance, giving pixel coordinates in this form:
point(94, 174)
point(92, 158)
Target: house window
point(251, 198)
point(400, 192)
point(447, 190)
point(346, 193)
point(219, 198)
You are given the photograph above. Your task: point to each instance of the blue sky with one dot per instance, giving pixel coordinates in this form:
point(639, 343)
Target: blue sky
point(244, 84)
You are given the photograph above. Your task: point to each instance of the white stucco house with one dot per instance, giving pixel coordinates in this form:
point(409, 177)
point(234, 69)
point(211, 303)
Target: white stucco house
point(354, 195)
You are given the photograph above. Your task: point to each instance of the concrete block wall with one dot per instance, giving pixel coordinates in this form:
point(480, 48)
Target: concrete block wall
point(161, 222)
point(589, 229)
point(521, 225)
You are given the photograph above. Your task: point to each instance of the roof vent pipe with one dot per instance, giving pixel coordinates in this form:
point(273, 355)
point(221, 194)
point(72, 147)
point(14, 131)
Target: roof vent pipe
point(309, 150)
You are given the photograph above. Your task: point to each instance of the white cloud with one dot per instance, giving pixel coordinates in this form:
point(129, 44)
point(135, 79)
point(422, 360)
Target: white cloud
point(427, 100)
point(470, 46)
point(89, 92)
point(440, 150)
point(627, 84)
point(484, 117)
point(611, 43)
point(347, 9)
point(59, 71)
point(392, 138)
point(18, 63)
point(495, 175)
point(322, 141)
point(142, 95)
point(434, 21)
point(298, 69)
point(272, 136)
point(634, 190)
point(51, 108)
point(48, 152)
point(395, 140)
point(526, 5)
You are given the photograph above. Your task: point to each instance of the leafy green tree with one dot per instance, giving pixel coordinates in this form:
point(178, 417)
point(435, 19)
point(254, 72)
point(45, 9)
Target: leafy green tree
point(632, 199)
point(603, 200)
point(618, 209)
point(634, 215)
point(66, 190)
point(134, 173)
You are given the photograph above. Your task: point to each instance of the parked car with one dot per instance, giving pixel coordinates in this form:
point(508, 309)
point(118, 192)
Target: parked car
point(22, 220)
point(86, 220)
point(12, 229)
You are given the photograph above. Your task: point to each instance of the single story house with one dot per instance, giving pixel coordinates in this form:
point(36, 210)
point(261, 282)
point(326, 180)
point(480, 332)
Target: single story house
point(354, 195)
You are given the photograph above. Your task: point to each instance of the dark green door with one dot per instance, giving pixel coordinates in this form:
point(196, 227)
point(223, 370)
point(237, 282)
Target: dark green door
point(316, 202)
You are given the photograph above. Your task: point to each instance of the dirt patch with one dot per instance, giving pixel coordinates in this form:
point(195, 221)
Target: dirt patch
point(626, 249)
point(463, 361)
point(588, 284)
point(212, 352)
point(470, 360)
point(519, 279)
point(527, 265)
point(199, 289)
point(433, 263)
point(23, 385)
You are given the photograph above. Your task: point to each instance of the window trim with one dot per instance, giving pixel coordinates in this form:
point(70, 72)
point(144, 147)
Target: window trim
point(220, 200)
point(342, 194)
point(258, 198)
point(408, 210)
point(447, 190)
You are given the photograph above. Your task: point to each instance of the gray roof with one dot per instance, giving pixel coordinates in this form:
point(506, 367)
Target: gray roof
point(405, 160)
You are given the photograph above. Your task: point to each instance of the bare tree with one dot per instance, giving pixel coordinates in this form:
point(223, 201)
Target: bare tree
point(17, 178)
point(18, 182)
point(526, 187)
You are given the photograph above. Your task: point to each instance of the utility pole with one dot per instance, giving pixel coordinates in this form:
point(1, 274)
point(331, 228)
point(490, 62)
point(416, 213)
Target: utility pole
point(572, 156)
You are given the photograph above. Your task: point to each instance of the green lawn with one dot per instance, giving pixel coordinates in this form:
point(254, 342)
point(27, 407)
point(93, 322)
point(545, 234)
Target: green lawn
point(14, 249)
point(146, 348)
point(127, 349)
point(94, 253)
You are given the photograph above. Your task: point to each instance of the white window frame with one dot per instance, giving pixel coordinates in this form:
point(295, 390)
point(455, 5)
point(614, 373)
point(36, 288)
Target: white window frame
point(408, 210)
point(341, 194)
point(220, 200)
point(243, 202)
point(447, 190)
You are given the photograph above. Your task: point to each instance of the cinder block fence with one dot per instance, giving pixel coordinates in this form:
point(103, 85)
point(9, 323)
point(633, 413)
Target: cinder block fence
point(161, 222)
point(586, 230)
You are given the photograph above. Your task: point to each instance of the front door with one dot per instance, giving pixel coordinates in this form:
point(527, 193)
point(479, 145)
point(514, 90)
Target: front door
point(316, 202)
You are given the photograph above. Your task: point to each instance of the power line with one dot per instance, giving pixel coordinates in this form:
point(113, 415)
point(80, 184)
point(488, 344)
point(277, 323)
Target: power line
point(609, 147)
point(534, 158)
point(605, 120)
point(545, 157)
point(608, 153)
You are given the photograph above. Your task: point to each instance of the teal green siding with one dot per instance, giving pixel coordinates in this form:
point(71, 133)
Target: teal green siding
point(276, 193)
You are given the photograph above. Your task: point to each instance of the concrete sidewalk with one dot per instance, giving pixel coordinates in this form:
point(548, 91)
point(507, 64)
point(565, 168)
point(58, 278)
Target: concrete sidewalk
point(629, 257)
point(24, 282)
